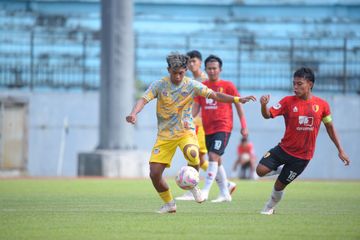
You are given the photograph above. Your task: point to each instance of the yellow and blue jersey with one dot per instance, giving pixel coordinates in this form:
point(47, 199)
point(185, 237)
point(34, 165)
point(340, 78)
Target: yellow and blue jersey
point(174, 105)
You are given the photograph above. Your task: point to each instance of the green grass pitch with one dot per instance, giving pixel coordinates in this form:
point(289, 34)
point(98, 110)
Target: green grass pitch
point(125, 209)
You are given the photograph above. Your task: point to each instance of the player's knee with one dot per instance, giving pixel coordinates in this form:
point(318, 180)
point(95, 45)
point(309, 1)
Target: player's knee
point(191, 153)
point(152, 175)
point(214, 157)
point(260, 171)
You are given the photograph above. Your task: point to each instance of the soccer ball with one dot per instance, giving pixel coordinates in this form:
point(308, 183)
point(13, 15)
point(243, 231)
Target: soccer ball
point(187, 178)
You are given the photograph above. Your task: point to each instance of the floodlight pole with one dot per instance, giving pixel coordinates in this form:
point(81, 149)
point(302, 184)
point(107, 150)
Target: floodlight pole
point(115, 155)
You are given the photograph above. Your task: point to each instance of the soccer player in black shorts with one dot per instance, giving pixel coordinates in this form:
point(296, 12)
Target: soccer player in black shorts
point(303, 114)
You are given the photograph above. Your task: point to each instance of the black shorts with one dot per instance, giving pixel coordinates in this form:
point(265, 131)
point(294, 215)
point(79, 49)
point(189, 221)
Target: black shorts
point(217, 142)
point(293, 166)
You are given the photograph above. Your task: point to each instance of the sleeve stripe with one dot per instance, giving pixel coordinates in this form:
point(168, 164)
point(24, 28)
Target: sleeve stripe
point(327, 119)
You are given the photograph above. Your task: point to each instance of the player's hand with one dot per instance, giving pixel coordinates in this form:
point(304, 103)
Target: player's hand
point(131, 119)
point(247, 99)
point(342, 155)
point(244, 132)
point(265, 99)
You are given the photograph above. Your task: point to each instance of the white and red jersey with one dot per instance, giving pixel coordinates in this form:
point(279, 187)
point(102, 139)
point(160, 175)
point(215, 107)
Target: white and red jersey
point(302, 121)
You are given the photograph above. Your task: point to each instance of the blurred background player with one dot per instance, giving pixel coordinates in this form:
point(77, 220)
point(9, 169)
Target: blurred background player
point(246, 159)
point(303, 114)
point(175, 96)
point(194, 66)
point(217, 121)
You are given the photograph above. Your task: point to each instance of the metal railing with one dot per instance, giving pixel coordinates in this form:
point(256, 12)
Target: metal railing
point(39, 57)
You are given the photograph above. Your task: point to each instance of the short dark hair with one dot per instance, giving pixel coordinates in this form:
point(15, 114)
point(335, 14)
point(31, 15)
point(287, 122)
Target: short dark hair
point(194, 54)
point(306, 73)
point(213, 58)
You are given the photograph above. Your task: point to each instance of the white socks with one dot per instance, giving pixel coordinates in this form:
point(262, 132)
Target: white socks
point(211, 173)
point(275, 197)
point(222, 181)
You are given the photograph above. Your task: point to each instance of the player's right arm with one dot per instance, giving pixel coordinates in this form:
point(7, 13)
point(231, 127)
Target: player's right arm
point(265, 111)
point(149, 94)
point(131, 118)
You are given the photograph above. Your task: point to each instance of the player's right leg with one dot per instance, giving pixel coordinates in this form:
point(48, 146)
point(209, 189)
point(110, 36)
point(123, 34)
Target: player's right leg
point(161, 157)
point(275, 197)
point(293, 167)
point(189, 147)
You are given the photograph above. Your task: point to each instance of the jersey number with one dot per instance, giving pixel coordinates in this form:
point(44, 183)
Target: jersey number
point(217, 144)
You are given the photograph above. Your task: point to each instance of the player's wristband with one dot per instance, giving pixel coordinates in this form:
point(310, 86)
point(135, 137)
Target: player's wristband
point(236, 99)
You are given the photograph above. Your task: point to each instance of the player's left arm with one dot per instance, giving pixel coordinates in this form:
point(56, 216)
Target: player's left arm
point(241, 115)
point(222, 97)
point(333, 136)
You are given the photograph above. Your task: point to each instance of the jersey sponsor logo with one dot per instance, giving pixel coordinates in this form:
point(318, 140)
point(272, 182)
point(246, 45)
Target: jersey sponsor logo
point(306, 123)
point(221, 90)
point(295, 109)
point(315, 108)
point(277, 106)
point(210, 103)
point(218, 144)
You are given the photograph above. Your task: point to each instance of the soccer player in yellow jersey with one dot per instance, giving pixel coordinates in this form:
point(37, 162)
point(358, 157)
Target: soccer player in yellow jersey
point(175, 96)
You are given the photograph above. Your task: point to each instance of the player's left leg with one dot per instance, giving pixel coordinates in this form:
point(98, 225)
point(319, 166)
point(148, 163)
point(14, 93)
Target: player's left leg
point(188, 196)
point(270, 163)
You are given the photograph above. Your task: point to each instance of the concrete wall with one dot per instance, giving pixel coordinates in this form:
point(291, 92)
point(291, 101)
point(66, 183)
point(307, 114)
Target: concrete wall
point(48, 110)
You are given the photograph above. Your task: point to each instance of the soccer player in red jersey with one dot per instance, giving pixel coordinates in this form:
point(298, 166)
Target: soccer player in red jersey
point(217, 121)
point(303, 114)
